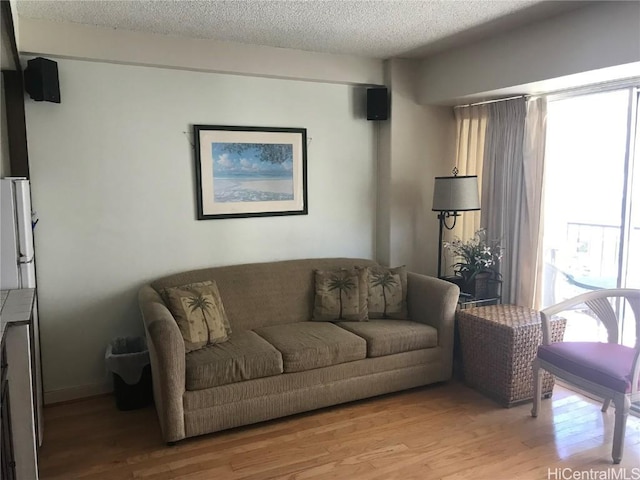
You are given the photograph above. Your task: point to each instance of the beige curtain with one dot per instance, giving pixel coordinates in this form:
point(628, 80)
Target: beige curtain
point(512, 192)
point(471, 124)
point(530, 259)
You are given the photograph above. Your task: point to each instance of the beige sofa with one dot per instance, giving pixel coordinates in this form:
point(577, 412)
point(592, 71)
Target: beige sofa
point(277, 362)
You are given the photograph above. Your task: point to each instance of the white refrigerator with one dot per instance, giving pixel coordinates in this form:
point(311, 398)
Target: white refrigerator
point(17, 265)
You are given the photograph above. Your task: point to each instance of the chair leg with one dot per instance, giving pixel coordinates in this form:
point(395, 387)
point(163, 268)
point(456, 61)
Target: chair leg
point(622, 405)
point(537, 387)
point(605, 405)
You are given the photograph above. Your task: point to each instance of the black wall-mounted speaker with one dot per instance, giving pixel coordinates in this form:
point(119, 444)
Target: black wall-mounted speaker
point(377, 103)
point(41, 80)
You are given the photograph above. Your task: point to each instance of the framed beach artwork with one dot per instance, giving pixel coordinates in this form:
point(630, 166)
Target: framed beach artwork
point(250, 171)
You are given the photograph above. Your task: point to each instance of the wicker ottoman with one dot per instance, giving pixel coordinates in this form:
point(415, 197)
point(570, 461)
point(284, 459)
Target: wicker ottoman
point(498, 344)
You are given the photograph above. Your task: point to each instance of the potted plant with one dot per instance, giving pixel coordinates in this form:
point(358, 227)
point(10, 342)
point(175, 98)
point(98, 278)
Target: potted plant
point(477, 265)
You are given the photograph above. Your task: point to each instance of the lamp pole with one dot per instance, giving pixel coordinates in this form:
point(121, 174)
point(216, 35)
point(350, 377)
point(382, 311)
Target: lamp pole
point(442, 216)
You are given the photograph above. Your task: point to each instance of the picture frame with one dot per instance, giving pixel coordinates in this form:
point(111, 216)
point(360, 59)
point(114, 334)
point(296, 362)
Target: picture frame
point(250, 171)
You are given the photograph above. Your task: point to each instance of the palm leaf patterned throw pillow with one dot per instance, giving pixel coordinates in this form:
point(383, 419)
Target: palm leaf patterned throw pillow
point(340, 295)
point(199, 313)
point(387, 293)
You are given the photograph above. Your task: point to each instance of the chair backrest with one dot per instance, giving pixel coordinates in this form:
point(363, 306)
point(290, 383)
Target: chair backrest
point(599, 302)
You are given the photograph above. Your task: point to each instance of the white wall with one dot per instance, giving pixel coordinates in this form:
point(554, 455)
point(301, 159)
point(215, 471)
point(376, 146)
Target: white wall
point(113, 183)
point(417, 145)
point(71, 40)
point(596, 37)
point(16, 21)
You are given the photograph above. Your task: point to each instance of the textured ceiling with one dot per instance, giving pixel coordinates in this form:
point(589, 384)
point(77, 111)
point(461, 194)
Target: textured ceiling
point(370, 28)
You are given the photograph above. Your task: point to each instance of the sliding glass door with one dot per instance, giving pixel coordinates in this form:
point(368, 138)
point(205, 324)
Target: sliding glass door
point(632, 267)
point(592, 200)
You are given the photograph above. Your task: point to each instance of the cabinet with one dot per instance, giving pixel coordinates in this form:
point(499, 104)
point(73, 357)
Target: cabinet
point(7, 461)
point(19, 432)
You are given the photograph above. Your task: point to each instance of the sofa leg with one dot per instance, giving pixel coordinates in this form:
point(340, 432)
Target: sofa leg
point(171, 444)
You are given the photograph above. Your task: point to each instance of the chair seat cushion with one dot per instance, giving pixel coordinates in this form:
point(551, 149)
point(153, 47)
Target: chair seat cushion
point(309, 345)
point(607, 364)
point(386, 337)
point(245, 356)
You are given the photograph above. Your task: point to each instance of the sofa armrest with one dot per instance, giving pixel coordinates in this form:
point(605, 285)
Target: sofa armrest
point(434, 301)
point(167, 354)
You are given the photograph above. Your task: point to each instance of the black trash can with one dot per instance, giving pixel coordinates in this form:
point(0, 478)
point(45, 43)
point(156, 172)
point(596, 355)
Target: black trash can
point(127, 359)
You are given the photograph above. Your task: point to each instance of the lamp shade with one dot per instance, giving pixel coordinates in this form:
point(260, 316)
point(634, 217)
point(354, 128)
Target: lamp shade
point(456, 194)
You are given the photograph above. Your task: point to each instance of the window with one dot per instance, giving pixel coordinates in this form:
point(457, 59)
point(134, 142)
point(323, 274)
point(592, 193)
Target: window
point(591, 211)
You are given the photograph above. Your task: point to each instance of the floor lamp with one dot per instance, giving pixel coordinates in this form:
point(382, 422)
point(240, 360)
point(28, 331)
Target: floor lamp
point(450, 196)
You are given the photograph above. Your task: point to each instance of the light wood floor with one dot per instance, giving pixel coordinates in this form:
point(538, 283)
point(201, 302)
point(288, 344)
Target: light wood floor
point(439, 432)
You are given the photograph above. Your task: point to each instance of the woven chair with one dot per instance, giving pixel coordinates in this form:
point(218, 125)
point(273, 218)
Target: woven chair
point(607, 370)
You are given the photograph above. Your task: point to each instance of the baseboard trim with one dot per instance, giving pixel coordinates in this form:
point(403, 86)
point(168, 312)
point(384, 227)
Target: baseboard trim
point(75, 393)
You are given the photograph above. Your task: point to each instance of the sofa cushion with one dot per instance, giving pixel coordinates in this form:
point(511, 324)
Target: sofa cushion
point(245, 356)
point(341, 294)
point(387, 292)
point(386, 337)
point(308, 345)
point(199, 313)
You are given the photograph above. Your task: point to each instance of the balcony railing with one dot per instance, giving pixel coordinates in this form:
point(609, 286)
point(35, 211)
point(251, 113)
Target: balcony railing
point(591, 254)
point(589, 260)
